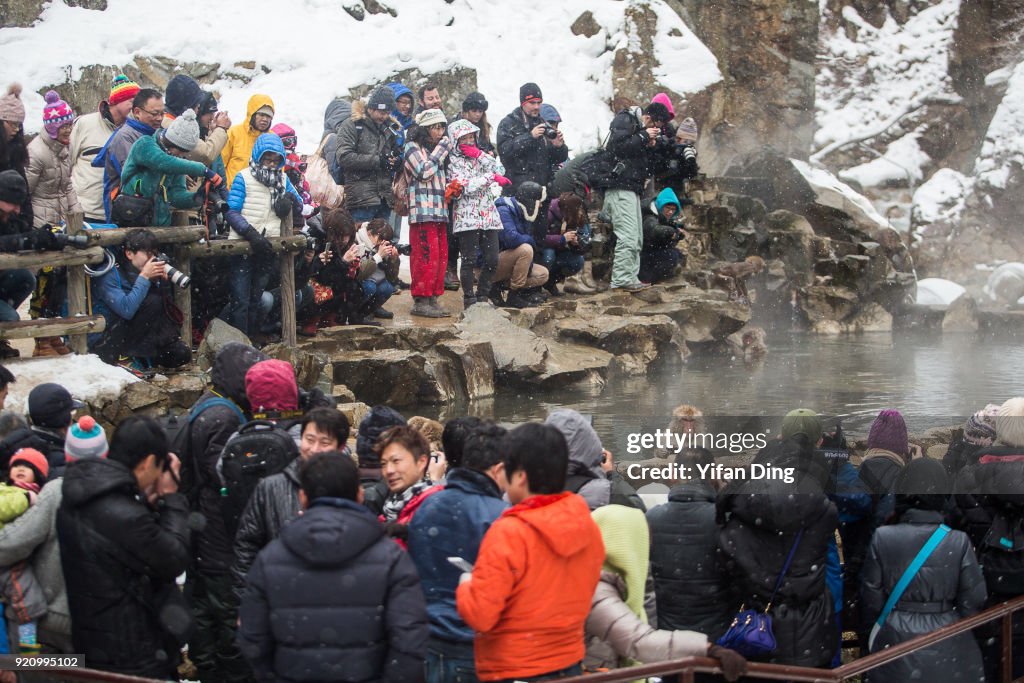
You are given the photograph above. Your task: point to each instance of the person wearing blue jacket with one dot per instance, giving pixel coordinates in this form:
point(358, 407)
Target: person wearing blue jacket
point(136, 300)
point(261, 199)
point(403, 111)
point(452, 523)
point(515, 260)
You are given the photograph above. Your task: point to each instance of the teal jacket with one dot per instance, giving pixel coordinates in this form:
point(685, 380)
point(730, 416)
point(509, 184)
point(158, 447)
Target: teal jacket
point(149, 171)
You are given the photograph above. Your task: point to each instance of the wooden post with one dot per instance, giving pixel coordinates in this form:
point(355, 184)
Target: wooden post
point(76, 288)
point(183, 297)
point(288, 323)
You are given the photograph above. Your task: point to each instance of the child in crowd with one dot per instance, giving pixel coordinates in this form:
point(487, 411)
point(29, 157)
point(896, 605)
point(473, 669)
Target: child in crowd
point(21, 593)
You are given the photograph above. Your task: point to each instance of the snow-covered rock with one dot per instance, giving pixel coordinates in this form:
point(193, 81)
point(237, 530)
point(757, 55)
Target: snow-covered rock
point(934, 291)
point(86, 377)
point(1006, 283)
point(903, 162)
point(1004, 145)
point(833, 192)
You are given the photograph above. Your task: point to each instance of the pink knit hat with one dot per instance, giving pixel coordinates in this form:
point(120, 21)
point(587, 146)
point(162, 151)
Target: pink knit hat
point(662, 98)
point(12, 109)
point(56, 114)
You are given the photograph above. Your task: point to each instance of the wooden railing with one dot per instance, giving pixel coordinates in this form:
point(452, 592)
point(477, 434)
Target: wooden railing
point(185, 244)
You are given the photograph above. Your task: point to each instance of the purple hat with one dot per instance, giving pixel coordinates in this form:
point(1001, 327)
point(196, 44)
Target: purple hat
point(889, 432)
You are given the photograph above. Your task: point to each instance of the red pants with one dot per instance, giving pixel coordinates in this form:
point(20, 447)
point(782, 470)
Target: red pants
point(429, 257)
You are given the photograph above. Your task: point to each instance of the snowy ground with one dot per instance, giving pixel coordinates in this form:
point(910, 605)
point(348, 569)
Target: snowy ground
point(86, 377)
point(315, 51)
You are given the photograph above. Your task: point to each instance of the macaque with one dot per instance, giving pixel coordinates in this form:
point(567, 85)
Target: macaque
point(748, 344)
point(732, 277)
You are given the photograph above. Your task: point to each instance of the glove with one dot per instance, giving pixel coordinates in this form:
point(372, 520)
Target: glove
point(282, 205)
point(733, 663)
point(396, 530)
point(453, 191)
point(214, 178)
point(261, 247)
point(41, 239)
point(502, 180)
point(387, 162)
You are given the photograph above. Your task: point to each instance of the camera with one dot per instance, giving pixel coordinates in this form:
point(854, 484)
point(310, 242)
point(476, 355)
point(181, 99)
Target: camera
point(173, 274)
point(316, 238)
point(550, 132)
point(77, 241)
point(404, 249)
point(683, 160)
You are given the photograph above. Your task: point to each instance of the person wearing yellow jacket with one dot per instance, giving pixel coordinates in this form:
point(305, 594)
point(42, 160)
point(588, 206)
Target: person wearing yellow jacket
point(259, 115)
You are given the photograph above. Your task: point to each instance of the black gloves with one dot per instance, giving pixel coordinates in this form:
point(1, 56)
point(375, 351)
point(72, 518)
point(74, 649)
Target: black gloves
point(282, 205)
point(733, 663)
point(388, 162)
point(41, 239)
point(261, 247)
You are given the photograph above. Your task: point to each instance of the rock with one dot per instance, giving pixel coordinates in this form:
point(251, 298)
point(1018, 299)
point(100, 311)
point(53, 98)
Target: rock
point(375, 7)
point(633, 68)
point(20, 12)
point(183, 389)
point(342, 394)
point(354, 412)
point(517, 351)
point(962, 315)
point(416, 338)
point(870, 318)
point(573, 365)
point(635, 341)
point(474, 363)
point(218, 334)
point(392, 376)
point(585, 25)
point(308, 365)
point(820, 303)
point(357, 12)
point(143, 397)
point(702, 318)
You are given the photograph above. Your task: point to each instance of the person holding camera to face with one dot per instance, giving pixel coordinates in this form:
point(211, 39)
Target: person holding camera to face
point(135, 297)
point(378, 266)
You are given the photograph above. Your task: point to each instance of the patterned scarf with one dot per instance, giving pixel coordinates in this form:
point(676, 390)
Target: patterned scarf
point(396, 501)
point(272, 178)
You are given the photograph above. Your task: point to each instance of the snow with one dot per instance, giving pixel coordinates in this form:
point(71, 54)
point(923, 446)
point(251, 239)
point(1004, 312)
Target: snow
point(942, 197)
point(1006, 283)
point(860, 83)
point(87, 378)
point(934, 291)
point(317, 51)
point(903, 158)
point(1004, 145)
point(824, 182)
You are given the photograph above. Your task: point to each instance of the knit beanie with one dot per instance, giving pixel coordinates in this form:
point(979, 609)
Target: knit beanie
point(182, 93)
point(657, 111)
point(56, 114)
point(381, 99)
point(889, 432)
point(122, 89)
point(627, 542)
point(474, 100)
point(662, 98)
point(184, 131)
point(35, 460)
point(13, 188)
point(529, 91)
point(85, 439)
point(380, 419)
point(687, 131)
point(12, 109)
point(550, 114)
point(1010, 423)
point(802, 421)
point(980, 429)
point(429, 117)
point(270, 386)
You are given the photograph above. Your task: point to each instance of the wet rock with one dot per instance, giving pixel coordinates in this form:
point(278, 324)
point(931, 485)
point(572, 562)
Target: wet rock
point(474, 365)
point(183, 389)
point(517, 351)
point(635, 341)
point(962, 315)
point(820, 303)
point(573, 365)
point(702, 318)
point(391, 376)
point(308, 364)
point(342, 394)
point(585, 25)
point(870, 318)
point(218, 334)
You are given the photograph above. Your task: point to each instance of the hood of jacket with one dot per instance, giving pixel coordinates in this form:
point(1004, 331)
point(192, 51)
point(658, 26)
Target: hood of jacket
point(269, 142)
point(584, 444)
point(562, 520)
point(255, 103)
point(331, 532)
point(473, 482)
point(229, 368)
point(282, 130)
point(380, 419)
point(400, 90)
point(336, 113)
point(460, 127)
point(86, 480)
point(665, 197)
point(694, 491)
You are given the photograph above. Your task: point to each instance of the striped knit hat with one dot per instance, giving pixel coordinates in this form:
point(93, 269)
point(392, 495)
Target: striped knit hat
point(687, 131)
point(122, 89)
point(85, 439)
point(56, 114)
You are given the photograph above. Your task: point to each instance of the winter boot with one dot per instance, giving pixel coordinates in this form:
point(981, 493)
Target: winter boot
point(451, 280)
point(383, 314)
point(552, 287)
point(496, 296)
point(518, 299)
point(468, 301)
point(535, 295)
point(587, 278)
point(575, 285)
point(58, 344)
point(8, 351)
point(437, 307)
point(422, 308)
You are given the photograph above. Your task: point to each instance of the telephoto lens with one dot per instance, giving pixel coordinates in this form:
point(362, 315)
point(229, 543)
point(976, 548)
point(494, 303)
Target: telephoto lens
point(173, 274)
point(77, 241)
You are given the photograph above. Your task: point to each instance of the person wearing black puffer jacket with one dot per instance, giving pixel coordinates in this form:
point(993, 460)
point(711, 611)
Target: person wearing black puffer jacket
point(761, 521)
point(692, 589)
point(211, 648)
point(124, 538)
point(526, 151)
point(333, 599)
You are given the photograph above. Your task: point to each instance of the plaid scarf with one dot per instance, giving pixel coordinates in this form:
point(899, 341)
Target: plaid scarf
point(396, 501)
point(272, 178)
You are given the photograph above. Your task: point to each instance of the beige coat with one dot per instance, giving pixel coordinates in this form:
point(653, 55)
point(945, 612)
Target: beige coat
point(49, 181)
point(90, 133)
point(616, 634)
point(207, 150)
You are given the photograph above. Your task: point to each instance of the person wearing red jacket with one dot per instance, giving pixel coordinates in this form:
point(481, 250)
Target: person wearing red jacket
point(529, 594)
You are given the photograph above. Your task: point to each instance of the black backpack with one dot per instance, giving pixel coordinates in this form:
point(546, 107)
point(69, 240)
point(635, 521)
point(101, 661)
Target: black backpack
point(1001, 554)
point(601, 168)
point(258, 449)
point(179, 441)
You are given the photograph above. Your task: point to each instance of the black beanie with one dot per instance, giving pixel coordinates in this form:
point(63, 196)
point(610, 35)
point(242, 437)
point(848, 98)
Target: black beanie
point(380, 419)
point(474, 100)
point(658, 111)
point(922, 484)
point(529, 91)
point(13, 188)
point(182, 93)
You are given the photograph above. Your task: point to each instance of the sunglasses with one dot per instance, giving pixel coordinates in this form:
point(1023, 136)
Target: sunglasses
point(300, 167)
point(289, 141)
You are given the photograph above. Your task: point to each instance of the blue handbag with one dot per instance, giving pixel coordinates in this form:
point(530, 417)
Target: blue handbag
point(750, 633)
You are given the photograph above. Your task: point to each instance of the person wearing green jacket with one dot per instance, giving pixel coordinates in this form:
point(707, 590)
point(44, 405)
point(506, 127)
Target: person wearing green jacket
point(156, 168)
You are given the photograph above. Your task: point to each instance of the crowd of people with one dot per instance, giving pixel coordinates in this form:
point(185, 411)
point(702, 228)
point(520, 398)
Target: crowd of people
point(510, 201)
point(412, 550)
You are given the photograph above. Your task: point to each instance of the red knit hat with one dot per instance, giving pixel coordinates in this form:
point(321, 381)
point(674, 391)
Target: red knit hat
point(34, 459)
point(270, 385)
point(123, 88)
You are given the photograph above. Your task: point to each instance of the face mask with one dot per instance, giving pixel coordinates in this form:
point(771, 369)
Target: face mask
point(471, 151)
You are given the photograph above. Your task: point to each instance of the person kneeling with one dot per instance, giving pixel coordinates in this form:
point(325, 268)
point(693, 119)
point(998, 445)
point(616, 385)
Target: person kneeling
point(137, 301)
point(659, 257)
point(378, 267)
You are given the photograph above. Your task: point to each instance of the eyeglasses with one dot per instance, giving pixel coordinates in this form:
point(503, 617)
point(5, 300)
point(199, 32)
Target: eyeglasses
point(157, 114)
point(289, 141)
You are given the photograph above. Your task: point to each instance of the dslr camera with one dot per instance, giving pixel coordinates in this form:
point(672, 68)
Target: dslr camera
point(173, 274)
point(76, 241)
point(683, 160)
point(550, 132)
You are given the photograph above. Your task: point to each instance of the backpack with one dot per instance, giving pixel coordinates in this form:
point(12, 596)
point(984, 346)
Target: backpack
point(179, 441)
point(602, 168)
point(337, 172)
point(400, 192)
point(1001, 554)
point(257, 450)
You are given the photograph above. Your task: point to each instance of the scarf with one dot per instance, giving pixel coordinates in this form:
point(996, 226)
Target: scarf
point(271, 177)
point(396, 501)
point(471, 151)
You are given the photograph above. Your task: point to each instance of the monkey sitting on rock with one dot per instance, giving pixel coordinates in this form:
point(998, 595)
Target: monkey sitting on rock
point(732, 277)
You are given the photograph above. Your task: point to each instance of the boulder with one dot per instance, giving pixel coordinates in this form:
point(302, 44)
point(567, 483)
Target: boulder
point(702, 317)
point(309, 365)
point(572, 365)
point(517, 351)
point(962, 315)
point(474, 365)
point(819, 303)
point(870, 318)
point(391, 376)
point(585, 25)
point(342, 394)
point(354, 412)
point(636, 341)
point(183, 389)
point(218, 334)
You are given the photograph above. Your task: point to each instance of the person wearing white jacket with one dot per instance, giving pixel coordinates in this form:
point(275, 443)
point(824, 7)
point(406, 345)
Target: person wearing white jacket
point(475, 219)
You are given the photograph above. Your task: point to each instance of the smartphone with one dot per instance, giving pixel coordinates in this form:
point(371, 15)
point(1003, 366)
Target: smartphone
point(461, 564)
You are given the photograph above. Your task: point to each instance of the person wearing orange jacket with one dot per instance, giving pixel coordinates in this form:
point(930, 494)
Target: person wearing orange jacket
point(529, 594)
point(259, 115)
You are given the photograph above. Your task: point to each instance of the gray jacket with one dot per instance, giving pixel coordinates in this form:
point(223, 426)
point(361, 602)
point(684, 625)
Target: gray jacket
point(361, 145)
point(33, 537)
point(614, 633)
